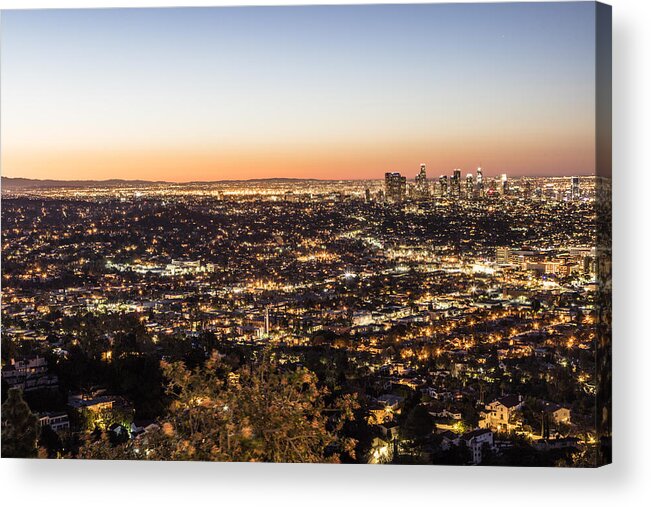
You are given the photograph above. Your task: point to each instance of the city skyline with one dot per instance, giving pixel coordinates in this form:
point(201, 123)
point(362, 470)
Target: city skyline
point(409, 174)
point(210, 94)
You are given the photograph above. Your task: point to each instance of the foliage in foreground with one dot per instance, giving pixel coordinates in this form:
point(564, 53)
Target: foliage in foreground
point(259, 413)
point(20, 428)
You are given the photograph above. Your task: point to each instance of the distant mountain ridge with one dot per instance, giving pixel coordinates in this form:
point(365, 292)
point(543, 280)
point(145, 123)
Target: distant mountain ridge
point(9, 183)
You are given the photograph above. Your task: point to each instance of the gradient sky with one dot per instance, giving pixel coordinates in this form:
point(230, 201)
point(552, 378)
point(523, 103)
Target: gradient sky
point(325, 92)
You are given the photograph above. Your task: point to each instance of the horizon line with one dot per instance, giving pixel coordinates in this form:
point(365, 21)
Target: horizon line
point(271, 178)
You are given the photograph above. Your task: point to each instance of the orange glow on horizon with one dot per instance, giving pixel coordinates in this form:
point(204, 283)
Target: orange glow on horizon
point(337, 161)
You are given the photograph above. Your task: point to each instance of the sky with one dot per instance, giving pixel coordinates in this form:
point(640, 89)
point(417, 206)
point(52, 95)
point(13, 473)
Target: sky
point(329, 92)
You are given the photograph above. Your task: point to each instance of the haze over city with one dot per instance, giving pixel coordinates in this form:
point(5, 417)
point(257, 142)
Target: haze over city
point(304, 92)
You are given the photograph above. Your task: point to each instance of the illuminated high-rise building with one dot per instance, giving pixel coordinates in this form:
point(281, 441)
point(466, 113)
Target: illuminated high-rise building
point(480, 182)
point(443, 186)
point(502, 255)
point(504, 185)
point(492, 187)
point(422, 187)
point(367, 195)
point(575, 189)
point(395, 187)
point(455, 183)
point(470, 186)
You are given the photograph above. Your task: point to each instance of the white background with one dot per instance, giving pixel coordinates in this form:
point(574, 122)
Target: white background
point(627, 481)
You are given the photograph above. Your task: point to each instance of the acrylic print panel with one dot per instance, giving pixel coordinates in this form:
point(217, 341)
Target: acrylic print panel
point(344, 234)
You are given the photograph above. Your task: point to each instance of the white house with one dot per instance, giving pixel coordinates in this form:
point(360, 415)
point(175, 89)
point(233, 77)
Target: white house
point(499, 414)
point(57, 421)
point(476, 441)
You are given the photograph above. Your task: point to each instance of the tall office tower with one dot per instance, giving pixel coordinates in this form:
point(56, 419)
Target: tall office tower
point(411, 191)
point(528, 189)
point(367, 195)
point(492, 187)
point(443, 186)
point(575, 190)
point(502, 255)
point(504, 185)
point(470, 186)
point(395, 186)
point(422, 187)
point(455, 184)
point(480, 182)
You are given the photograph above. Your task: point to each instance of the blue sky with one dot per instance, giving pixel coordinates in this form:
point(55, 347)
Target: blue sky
point(203, 93)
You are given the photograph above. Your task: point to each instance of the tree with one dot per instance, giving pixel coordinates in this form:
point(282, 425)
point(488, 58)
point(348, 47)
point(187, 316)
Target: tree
point(586, 457)
point(535, 306)
point(9, 349)
point(50, 442)
point(455, 455)
point(418, 423)
point(20, 427)
point(4, 390)
point(257, 413)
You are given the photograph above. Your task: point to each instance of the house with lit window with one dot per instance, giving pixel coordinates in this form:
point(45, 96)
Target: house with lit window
point(30, 374)
point(558, 413)
point(502, 414)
